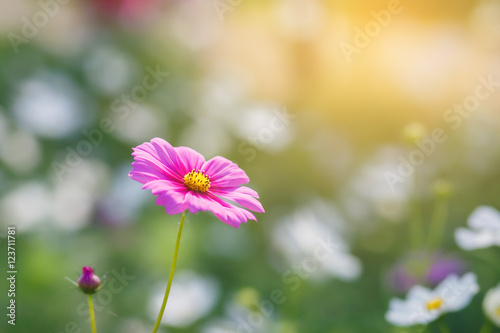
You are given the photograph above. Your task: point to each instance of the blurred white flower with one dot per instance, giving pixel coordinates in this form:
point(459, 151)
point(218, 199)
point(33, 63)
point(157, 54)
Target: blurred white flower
point(207, 136)
point(49, 105)
point(370, 192)
point(423, 305)
point(75, 198)
point(484, 230)
point(20, 151)
point(68, 205)
point(266, 127)
point(221, 94)
point(219, 104)
point(491, 305)
point(27, 205)
point(312, 230)
point(141, 123)
point(191, 297)
point(123, 200)
point(109, 69)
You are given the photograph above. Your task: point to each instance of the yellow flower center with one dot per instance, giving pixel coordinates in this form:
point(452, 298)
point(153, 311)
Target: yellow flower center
point(498, 311)
point(435, 304)
point(197, 181)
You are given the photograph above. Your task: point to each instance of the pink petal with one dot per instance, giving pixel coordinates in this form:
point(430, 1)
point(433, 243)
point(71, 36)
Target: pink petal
point(149, 164)
point(173, 201)
point(241, 196)
point(164, 185)
point(190, 158)
point(170, 194)
point(200, 202)
point(224, 211)
point(145, 171)
point(144, 149)
point(231, 214)
point(224, 173)
point(180, 159)
point(248, 191)
point(168, 155)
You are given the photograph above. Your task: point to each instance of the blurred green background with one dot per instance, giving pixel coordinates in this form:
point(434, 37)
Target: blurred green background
point(268, 85)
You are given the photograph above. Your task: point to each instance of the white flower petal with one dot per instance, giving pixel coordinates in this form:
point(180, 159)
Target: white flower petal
point(470, 240)
point(452, 294)
point(343, 265)
point(408, 313)
point(491, 305)
point(457, 292)
point(311, 238)
point(419, 293)
point(485, 217)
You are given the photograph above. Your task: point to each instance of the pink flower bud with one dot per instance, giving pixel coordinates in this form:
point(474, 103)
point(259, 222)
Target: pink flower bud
point(88, 282)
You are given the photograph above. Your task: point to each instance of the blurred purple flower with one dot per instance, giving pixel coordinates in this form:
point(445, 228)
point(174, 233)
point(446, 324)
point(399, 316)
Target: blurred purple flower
point(400, 279)
point(442, 267)
point(423, 269)
point(182, 179)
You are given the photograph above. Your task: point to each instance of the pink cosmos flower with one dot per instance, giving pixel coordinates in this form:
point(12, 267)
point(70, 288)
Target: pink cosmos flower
point(182, 179)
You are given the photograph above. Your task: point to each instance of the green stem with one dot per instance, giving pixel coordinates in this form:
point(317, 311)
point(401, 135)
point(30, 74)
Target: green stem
point(438, 223)
point(416, 231)
point(487, 327)
point(92, 315)
point(172, 270)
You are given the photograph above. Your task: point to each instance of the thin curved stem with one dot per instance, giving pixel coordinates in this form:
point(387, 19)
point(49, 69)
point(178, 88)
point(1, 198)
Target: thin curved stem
point(92, 315)
point(172, 270)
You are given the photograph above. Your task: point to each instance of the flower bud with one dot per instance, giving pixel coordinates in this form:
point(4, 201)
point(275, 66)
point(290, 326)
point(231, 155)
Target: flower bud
point(247, 297)
point(442, 189)
point(88, 281)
